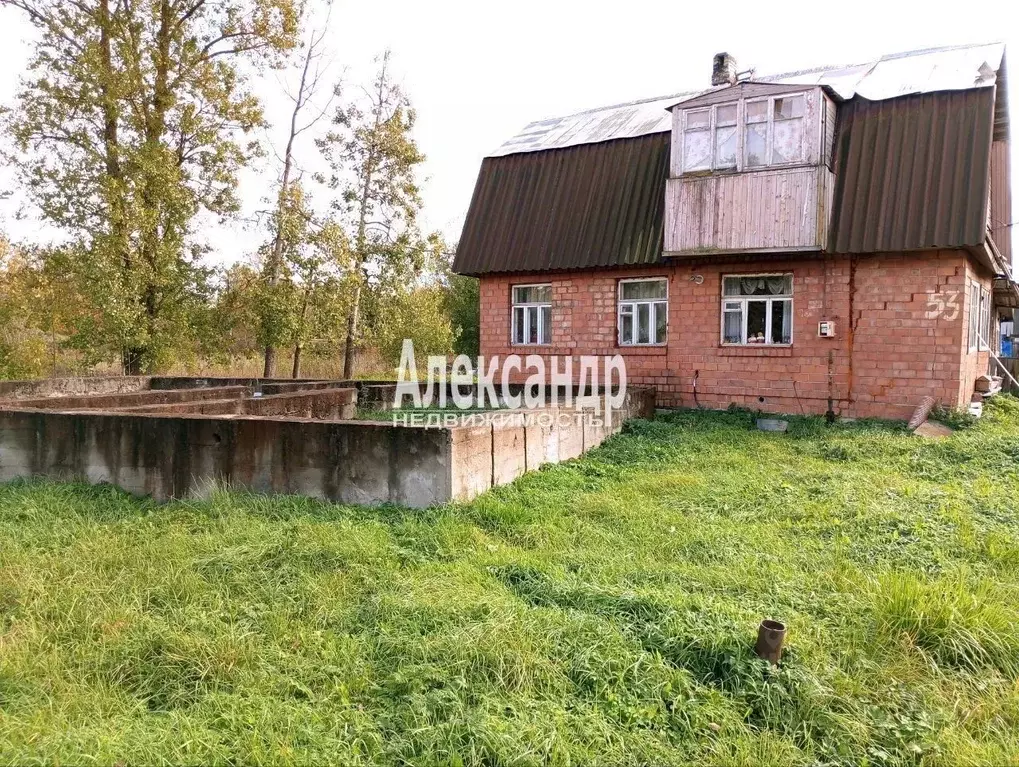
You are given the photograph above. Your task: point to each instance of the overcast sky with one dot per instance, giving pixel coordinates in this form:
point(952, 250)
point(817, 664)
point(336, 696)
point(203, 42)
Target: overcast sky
point(477, 72)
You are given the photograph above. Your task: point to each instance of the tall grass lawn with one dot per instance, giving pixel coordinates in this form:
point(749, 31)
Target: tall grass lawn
point(598, 612)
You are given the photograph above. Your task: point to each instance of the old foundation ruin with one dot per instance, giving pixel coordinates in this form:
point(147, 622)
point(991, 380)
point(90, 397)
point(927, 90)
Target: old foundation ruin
point(178, 437)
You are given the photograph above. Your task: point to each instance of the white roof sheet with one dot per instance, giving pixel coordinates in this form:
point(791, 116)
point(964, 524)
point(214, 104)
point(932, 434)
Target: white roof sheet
point(925, 71)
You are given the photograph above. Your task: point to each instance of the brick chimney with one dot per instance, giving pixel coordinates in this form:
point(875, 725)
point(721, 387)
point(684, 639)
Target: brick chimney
point(723, 69)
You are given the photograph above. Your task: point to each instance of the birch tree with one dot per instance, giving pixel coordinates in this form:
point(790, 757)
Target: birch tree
point(130, 122)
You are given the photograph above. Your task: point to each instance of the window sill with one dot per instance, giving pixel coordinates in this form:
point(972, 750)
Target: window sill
point(749, 350)
point(646, 349)
point(739, 171)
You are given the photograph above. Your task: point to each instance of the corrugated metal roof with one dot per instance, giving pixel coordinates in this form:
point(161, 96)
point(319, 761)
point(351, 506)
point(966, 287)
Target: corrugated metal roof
point(925, 71)
point(912, 172)
point(638, 118)
point(584, 206)
point(1001, 198)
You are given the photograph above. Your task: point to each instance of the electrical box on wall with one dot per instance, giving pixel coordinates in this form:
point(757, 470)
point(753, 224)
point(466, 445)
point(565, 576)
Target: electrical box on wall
point(826, 329)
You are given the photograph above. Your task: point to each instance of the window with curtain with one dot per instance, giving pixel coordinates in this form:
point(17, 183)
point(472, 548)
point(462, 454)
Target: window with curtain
point(757, 309)
point(745, 135)
point(643, 312)
point(786, 130)
point(697, 140)
point(532, 315)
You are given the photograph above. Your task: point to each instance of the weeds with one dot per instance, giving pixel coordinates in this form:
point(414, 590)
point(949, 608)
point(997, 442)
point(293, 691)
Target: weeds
point(955, 418)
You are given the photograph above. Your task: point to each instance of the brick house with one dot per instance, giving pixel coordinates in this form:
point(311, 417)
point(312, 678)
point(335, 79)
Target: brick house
point(832, 240)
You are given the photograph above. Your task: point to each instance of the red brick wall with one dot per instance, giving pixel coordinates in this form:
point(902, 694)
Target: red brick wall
point(900, 323)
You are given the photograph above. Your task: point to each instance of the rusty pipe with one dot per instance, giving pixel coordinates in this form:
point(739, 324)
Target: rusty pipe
point(770, 636)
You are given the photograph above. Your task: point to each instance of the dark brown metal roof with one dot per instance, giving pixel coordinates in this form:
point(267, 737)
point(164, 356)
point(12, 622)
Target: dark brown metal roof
point(1001, 198)
point(912, 172)
point(592, 205)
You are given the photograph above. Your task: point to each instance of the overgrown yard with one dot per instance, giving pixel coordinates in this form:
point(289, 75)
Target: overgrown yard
point(598, 612)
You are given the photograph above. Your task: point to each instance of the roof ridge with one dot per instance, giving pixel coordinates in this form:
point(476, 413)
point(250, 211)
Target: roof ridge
point(883, 57)
point(769, 77)
point(921, 70)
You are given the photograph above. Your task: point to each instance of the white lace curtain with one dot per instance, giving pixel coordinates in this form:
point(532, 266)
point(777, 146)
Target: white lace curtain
point(776, 285)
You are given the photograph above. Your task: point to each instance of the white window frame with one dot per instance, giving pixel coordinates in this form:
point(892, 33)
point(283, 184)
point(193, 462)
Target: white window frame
point(985, 319)
point(632, 304)
point(711, 138)
point(769, 141)
point(527, 306)
point(744, 300)
point(979, 317)
point(741, 130)
point(974, 316)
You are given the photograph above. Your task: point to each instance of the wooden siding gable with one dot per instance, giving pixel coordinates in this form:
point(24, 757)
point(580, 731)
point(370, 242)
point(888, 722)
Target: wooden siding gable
point(742, 90)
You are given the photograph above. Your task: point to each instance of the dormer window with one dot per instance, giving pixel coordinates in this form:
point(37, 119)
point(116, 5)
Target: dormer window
point(711, 138)
point(774, 131)
point(750, 170)
point(745, 135)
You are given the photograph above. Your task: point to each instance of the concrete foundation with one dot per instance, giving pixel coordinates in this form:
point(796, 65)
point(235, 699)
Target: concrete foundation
point(174, 438)
point(153, 399)
point(321, 404)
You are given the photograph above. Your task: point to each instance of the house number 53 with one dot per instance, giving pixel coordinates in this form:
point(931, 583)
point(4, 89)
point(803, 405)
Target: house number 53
point(944, 306)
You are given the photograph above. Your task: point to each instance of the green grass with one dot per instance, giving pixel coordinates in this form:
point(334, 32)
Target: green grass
point(597, 612)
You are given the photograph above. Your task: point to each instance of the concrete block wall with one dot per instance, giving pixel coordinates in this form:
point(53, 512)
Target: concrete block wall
point(176, 457)
point(507, 444)
point(325, 404)
point(62, 387)
point(148, 398)
point(328, 404)
point(186, 454)
point(206, 382)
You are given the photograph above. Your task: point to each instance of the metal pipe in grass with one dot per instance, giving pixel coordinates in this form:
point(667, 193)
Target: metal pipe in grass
point(770, 636)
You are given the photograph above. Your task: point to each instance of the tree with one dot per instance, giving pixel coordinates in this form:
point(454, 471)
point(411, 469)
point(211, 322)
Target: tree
point(419, 314)
point(38, 307)
point(275, 291)
point(463, 307)
point(322, 298)
point(462, 302)
point(291, 216)
point(374, 161)
point(128, 125)
point(236, 310)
